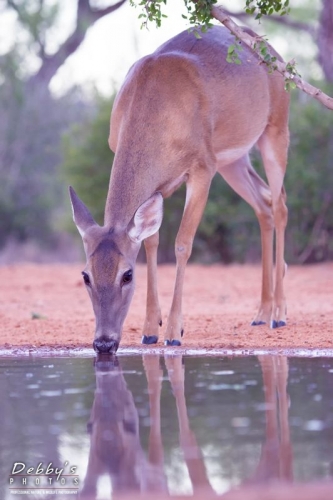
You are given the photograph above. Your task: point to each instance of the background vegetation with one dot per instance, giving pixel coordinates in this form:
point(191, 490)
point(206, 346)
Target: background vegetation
point(47, 143)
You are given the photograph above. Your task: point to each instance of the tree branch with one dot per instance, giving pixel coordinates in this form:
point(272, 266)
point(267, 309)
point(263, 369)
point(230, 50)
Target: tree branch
point(284, 20)
point(23, 18)
point(325, 39)
point(13, 5)
point(98, 13)
point(86, 17)
point(252, 42)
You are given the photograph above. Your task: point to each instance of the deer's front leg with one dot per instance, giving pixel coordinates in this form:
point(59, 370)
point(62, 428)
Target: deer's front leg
point(153, 312)
point(154, 375)
point(196, 198)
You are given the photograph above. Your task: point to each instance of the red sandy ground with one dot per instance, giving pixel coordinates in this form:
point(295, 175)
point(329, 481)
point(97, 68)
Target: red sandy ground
point(219, 303)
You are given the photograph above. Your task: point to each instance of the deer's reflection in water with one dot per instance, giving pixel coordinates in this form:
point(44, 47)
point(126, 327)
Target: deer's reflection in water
point(276, 453)
point(116, 450)
point(115, 447)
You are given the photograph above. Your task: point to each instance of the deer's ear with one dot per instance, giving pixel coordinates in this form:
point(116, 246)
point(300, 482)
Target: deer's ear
point(81, 215)
point(147, 219)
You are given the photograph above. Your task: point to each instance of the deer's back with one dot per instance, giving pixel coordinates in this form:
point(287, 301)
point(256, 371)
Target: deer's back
point(187, 73)
point(185, 105)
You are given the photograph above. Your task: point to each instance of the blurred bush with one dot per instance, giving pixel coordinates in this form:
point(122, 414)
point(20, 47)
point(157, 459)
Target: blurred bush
point(31, 125)
point(88, 159)
point(309, 180)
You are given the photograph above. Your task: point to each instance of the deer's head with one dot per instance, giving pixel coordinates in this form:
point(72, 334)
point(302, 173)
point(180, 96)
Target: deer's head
point(110, 269)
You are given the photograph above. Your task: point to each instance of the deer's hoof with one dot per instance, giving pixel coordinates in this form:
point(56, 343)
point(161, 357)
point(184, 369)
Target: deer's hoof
point(277, 324)
point(257, 323)
point(173, 342)
point(149, 339)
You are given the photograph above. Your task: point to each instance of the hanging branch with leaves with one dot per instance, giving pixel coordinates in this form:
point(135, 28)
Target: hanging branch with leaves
point(260, 46)
point(200, 14)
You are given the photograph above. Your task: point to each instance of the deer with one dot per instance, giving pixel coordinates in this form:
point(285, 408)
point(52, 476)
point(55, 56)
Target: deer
point(182, 115)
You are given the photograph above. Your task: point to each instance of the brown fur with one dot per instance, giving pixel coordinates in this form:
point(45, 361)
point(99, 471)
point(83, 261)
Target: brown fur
point(183, 114)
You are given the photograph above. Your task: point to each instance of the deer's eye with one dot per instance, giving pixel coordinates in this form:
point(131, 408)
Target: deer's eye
point(86, 279)
point(128, 276)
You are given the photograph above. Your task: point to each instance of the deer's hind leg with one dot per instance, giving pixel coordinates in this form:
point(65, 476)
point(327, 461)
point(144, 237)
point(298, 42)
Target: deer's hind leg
point(245, 181)
point(273, 145)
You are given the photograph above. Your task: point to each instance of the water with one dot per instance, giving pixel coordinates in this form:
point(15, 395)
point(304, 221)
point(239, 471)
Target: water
point(155, 423)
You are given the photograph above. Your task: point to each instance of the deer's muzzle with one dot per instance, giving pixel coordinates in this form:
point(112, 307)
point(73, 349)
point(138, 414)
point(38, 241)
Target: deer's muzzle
point(105, 345)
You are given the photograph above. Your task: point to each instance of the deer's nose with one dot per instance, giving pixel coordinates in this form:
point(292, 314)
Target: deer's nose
point(105, 345)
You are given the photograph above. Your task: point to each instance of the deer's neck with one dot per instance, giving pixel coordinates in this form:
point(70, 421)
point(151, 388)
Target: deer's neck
point(132, 182)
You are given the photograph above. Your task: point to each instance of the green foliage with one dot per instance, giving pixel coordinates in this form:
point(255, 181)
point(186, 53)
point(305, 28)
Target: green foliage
point(37, 17)
point(198, 13)
point(233, 53)
point(36, 20)
point(30, 128)
point(261, 8)
point(264, 50)
point(229, 230)
point(269, 58)
point(88, 159)
point(289, 83)
point(309, 181)
point(153, 11)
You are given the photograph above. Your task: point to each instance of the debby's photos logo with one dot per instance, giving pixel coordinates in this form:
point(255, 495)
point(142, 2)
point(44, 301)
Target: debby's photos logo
point(43, 479)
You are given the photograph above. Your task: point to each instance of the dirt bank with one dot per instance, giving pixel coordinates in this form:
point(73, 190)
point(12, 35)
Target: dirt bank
point(47, 305)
